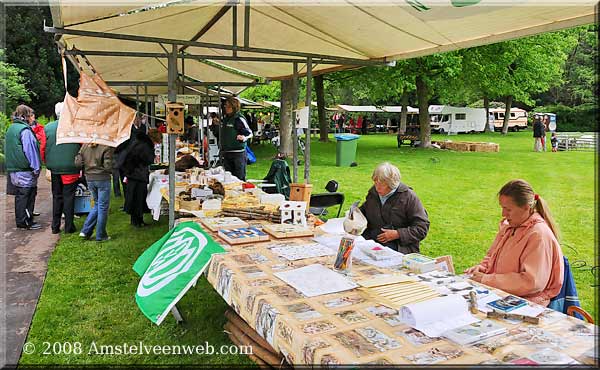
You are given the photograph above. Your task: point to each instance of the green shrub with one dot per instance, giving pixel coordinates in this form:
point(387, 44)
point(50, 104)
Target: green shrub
point(582, 118)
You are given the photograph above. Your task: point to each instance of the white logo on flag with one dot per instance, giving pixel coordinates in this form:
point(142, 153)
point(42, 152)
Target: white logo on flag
point(175, 258)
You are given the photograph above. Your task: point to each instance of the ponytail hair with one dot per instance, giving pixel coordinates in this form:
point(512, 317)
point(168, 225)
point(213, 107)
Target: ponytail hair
point(522, 194)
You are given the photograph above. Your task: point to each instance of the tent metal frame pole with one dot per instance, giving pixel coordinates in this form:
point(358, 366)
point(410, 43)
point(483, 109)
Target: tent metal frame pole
point(137, 97)
point(234, 32)
point(247, 24)
point(186, 83)
point(240, 58)
point(220, 128)
point(172, 72)
point(201, 130)
point(146, 99)
point(294, 130)
point(308, 102)
point(160, 40)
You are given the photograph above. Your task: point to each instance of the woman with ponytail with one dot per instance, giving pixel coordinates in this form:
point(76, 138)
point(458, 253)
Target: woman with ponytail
point(525, 259)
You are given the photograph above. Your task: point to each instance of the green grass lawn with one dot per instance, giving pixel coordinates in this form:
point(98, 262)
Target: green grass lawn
point(89, 290)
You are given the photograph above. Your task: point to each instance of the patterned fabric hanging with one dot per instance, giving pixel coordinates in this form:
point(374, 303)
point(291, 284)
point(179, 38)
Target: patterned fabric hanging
point(95, 116)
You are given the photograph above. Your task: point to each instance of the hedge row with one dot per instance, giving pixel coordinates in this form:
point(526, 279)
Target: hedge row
point(582, 118)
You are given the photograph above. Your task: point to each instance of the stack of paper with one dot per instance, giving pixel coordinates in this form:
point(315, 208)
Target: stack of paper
point(314, 280)
point(436, 316)
point(397, 290)
point(298, 252)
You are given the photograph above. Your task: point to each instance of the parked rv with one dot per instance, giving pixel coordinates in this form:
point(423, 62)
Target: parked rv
point(449, 119)
point(517, 120)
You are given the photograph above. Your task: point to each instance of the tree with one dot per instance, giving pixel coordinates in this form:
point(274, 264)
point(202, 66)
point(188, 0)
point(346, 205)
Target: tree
point(32, 50)
point(12, 85)
point(516, 69)
point(432, 73)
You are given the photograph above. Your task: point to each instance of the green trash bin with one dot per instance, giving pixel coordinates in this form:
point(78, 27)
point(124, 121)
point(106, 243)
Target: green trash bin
point(345, 153)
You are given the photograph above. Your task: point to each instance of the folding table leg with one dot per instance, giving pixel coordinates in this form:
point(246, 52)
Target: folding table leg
point(177, 314)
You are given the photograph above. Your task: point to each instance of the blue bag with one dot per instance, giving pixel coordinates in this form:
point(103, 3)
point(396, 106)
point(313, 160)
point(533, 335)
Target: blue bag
point(250, 157)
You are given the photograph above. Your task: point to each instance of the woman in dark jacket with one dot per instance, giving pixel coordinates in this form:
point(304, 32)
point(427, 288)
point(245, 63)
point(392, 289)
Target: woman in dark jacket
point(140, 154)
point(395, 215)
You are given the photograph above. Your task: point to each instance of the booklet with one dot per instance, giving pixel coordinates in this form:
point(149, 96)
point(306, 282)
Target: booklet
point(508, 303)
point(475, 332)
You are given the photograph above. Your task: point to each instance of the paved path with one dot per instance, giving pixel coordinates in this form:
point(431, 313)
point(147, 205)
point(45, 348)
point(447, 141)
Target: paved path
point(23, 264)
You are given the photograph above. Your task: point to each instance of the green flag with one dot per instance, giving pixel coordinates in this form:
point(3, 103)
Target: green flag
point(170, 267)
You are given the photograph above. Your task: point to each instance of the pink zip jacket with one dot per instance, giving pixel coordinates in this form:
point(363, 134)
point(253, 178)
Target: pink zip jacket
point(525, 261)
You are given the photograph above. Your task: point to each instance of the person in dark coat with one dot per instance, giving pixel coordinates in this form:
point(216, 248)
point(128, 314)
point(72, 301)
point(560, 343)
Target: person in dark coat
point(395, 215)
point(140, 155)
point(538, 132)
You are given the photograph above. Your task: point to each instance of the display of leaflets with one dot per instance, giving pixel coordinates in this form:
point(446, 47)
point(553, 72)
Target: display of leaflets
point(436, 316)
point(298, 252)
point(475, 332)
point(508, 303)
point(314, 280)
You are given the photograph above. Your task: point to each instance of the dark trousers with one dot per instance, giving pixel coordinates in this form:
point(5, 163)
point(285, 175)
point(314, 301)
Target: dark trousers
point(235, 162)
point(63, 201)
point(116, 182)
point(136, 200)
point(24, 203)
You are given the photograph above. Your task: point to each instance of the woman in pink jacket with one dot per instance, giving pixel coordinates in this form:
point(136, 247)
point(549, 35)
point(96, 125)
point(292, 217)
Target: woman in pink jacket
point(525, 258)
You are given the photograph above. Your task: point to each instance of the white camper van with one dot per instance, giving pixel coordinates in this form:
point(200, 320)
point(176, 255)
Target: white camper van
point(449, 119)
point(517, 120)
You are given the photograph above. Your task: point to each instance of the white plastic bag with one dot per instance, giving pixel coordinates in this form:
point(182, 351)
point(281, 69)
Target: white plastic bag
point(355, 223)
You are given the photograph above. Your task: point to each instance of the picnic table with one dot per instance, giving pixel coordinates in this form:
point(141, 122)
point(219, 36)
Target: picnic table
point(351, 327)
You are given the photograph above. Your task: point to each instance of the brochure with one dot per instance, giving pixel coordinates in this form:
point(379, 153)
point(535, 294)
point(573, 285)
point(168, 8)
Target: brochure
point(508, 303)
point(475, 332)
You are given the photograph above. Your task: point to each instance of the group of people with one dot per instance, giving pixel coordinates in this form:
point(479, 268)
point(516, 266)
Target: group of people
point(541, 125)
point(349, 124)
point(71, 164)
point(525, 258)
point(232, 132)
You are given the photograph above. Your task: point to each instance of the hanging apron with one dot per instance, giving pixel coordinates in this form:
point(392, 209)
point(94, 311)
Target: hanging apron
point(96, 115)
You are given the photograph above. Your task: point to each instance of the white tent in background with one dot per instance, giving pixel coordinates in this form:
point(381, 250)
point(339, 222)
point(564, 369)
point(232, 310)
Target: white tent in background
point(358, 108)
point(398, 109)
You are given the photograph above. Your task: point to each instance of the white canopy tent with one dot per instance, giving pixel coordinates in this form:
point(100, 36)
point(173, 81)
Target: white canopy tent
point(166, 46)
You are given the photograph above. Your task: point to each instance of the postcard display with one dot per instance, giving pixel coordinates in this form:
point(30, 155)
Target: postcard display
point(350, 327)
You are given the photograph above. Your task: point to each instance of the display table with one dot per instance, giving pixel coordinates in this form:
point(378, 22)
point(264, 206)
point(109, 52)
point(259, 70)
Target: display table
point(351, 328)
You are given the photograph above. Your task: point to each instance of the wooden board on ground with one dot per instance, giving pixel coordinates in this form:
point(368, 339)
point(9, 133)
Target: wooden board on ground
point(280, 231)
point(218, 223)
point(243, 235)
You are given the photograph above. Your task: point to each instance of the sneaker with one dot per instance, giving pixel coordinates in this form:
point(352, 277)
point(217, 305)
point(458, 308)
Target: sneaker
point(35, 214)
point(103, 240)
point(86, 237)
point(33, 226)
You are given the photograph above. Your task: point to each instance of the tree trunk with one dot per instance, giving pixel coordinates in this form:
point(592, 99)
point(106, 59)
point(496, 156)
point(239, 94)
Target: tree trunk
point(285, 120)
point(508, 103)
point(403, 114)
point(323, 124)
point(424, 126)
point(486, 105)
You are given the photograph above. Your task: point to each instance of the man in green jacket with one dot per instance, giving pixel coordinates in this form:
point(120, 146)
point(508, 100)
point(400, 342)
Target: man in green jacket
point(233, 137)
point(23, 165)
point(60, 160)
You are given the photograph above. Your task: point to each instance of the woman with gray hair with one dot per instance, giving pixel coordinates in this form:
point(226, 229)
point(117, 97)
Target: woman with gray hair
point(395, 215)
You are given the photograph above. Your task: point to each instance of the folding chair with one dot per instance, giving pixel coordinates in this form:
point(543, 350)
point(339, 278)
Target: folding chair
point(320, 202)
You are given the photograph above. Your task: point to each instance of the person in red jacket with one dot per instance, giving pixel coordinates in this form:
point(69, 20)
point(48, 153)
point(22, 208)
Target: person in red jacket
point(40, 135)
